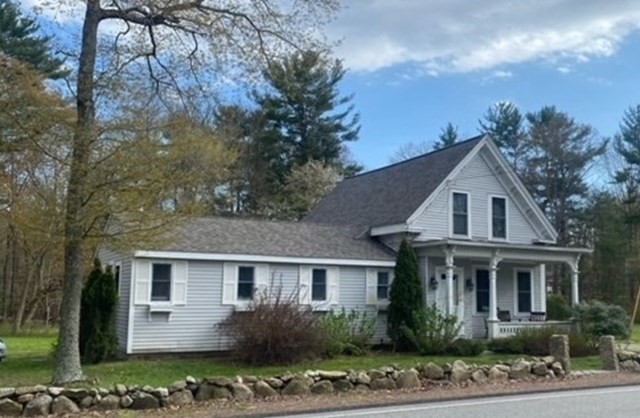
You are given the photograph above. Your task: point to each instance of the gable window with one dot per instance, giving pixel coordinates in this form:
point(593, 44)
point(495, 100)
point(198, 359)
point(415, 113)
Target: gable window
point(246, 276)
point(498, 217)
point(482, 290)
point(523, 283)
point(460, 213)
point(161, 282)
point(383, 285)
point(319, 285)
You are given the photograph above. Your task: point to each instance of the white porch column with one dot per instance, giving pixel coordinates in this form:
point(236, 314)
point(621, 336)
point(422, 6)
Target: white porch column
point(542, 269)
point(449, 252)
point(492, 321)
point(575, 273)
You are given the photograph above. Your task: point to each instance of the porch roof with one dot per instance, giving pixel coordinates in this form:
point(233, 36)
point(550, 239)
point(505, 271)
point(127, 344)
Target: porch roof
point(486, 249)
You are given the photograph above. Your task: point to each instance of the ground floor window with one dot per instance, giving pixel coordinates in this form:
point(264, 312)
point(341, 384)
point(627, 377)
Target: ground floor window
point(482, 290)
point(319, 285)
point(245, 282)
point(523, 283)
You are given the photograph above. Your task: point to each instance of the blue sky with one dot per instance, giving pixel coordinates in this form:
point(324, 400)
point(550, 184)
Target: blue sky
point(415, 65)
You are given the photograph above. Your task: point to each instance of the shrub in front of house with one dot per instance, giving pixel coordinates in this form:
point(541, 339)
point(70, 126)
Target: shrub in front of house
point(348, 333)
point(535, 342)
point(433, 331)
point(463, 347)
point(598, 318)
point(405, 298)
point(275, 330)
point(558, 308)
point(98, 338)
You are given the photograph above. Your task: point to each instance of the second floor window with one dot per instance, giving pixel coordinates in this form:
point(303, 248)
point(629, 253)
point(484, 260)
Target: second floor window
point(499, 217)
point(460, 214)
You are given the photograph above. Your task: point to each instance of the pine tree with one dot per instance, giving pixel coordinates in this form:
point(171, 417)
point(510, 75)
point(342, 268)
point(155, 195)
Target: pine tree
point(448, 136)
point(19, 40)
point(405, 297)
point(505, 124)
point(98, 340)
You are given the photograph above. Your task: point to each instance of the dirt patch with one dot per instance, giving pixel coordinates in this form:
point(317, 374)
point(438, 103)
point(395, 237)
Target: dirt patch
point(431, 391)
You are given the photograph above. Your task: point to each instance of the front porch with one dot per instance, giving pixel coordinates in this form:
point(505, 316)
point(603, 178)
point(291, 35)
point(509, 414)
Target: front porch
point(495, 289)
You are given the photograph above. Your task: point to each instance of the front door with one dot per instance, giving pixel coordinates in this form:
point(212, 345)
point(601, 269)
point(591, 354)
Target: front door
point(458, 291)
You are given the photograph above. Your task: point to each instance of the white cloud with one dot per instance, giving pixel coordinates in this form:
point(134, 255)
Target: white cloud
point(440, 36)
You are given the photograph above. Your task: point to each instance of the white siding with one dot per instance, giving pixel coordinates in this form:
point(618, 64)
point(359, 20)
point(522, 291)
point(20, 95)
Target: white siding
point(106, 257)
point(353, 295)
point(477, 179)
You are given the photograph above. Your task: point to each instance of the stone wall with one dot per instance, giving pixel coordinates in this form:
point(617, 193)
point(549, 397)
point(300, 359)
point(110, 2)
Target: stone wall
point(629, 361)
point(43, 400)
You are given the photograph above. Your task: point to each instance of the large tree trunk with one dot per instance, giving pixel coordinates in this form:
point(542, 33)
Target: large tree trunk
point(67, 367)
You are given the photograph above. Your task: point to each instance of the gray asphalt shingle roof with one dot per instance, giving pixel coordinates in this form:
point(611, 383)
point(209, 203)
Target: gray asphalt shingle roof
point(271, 238)
point(389, 195)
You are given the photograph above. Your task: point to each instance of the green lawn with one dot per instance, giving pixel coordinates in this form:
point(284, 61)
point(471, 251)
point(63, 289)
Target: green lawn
point(30, 363)
point(635, 334)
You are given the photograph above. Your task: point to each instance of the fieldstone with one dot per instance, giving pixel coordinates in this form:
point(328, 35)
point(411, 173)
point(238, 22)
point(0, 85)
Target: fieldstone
point(177, 386)
point(408, 379)
point(23, 390)
point(93, 392)
point(626, 355)
point(38, 406)
point(6, 392)
point(26, 398)
point(384, 383)
point(219, 381)
point(144, 400)
point(103, 392)
point(264, 390)
point(298, 386)
point(63, 405)
point(361, 388)
point(53, 391)
point(108, 403)
point(206, 392)
point(274, 382)
point(331, 375)
point(126, 401)
point(498, 375)
point(630, 366)
point(377, 374)
point(190, 380)
point(607, 348)
point(86, 402)
point(459, 372)
point(503, 368)
point(520, 369)
point(75, 394)
point(120, 389)
point(539, 368)
point(362, 379)
point(241, 392)
point(559, 349)
point(342, 385)
point(249, 379)
point(9, 408)
point(322, 387)
point(548, 360)
point(160, 392)
point(180, 397)
point(352, 376)
point(432, 371)
point(479, 376)
point(286, 378)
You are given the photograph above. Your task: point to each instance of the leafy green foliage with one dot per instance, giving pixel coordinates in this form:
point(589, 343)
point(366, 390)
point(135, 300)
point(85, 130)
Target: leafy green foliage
point(18, 40)
point(98, 340)
point(433, 332)
point(466, 348)
point(405, 298)
point(348, 333)
point(275, 329)
point(535, 342)
point(558, 309)
point(598, 318)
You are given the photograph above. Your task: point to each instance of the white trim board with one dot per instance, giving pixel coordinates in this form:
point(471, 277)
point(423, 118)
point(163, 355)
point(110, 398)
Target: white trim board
point(179, 255)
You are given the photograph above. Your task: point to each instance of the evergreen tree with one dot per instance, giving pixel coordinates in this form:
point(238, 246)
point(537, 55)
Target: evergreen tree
point(505, 124)
point(304, 118)
point(448, 136)
point(405, 297)
point(19, 40)
point(98, 340)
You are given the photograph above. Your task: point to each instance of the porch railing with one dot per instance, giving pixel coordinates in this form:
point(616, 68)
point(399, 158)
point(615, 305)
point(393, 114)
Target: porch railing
point(507, 329)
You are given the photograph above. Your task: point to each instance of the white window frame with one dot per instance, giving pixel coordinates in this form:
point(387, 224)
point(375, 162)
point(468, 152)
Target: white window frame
point(490, 217)
point(390, 280)
point(171, 281)
point(326, 285)
point(451, 222)
point(516, 298)
point(117, 265)
point(237, 289)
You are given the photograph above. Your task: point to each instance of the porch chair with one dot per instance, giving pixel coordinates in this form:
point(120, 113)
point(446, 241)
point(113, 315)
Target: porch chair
point(504, 316)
